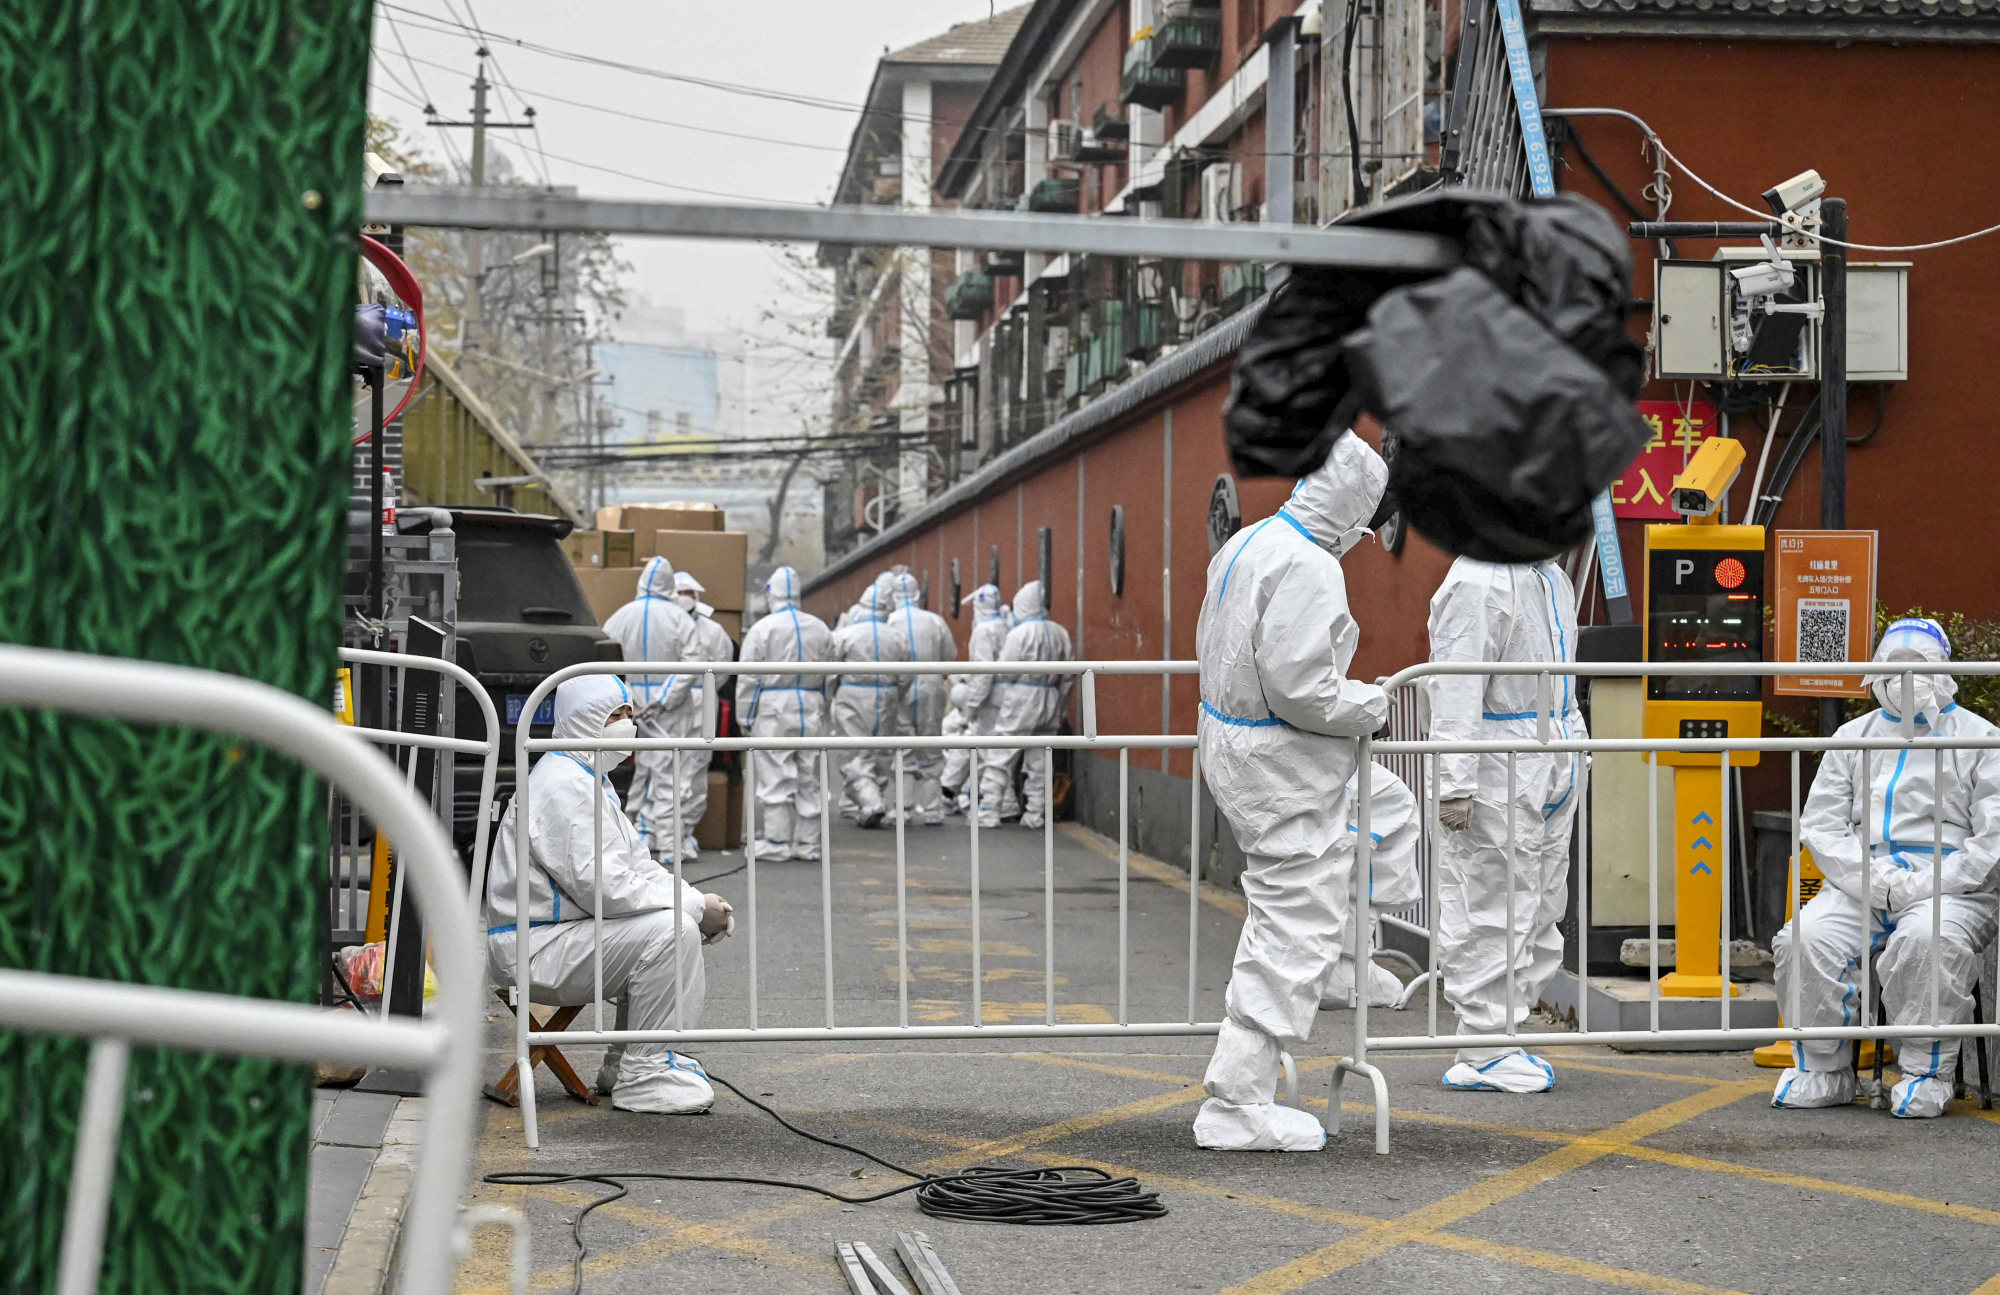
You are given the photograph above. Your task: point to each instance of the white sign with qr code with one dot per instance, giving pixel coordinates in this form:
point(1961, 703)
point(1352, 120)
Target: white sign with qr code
point(1823, 629)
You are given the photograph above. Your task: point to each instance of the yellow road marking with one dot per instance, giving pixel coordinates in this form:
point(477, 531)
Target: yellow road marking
point(1461, 1205)
point(1776, 1177)
point(1988, 1287)
point(1153, 870)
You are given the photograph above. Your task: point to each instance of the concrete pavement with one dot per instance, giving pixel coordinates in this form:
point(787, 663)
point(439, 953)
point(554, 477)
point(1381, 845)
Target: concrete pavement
point(1657, 1173)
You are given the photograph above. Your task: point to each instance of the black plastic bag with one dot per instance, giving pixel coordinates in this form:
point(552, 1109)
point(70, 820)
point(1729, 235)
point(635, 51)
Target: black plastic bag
point(1508, 382)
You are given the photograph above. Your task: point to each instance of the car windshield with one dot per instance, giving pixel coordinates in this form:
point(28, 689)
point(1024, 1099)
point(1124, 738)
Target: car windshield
point(517, 578)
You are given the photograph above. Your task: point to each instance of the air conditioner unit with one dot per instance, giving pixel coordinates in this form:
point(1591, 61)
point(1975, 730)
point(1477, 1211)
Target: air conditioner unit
point(1220, 194)
point(1065, 140)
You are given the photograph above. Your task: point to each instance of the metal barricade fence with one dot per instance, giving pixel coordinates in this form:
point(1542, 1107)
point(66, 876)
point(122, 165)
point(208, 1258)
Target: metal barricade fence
point(1090, 738)
point(445, 1047)
point(1546, 741)
point(352, 864)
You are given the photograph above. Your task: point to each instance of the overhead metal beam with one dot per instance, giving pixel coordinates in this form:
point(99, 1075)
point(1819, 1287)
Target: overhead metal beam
point(889, 226)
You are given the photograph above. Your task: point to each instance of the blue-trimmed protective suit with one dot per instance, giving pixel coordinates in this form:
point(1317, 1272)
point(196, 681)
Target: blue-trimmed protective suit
point(1872, 823)
point(785, 705)
point(1278, 719)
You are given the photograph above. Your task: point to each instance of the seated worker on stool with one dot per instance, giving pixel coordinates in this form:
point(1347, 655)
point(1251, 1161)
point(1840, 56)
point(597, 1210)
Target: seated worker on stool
point(646, 923)
point(1889, 889)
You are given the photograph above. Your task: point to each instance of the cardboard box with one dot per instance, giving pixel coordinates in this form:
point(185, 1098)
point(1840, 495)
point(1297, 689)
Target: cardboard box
point(607, 589)
point(609, 517)
point(600, 548)
point(732, 622)
point(721, 828)
point(720, 561)
point(665, 517)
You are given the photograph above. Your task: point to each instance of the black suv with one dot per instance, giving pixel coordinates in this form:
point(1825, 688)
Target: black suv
point(521, 617)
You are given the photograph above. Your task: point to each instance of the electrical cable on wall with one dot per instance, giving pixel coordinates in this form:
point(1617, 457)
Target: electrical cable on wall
point(1062, 1195)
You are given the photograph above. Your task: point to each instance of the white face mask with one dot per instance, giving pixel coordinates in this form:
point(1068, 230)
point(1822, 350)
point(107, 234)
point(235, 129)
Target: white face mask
point(1923, 694)
point(617, 729)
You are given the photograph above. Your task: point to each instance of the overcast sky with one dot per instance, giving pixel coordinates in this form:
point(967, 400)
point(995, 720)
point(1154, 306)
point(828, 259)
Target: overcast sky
point(821, 48)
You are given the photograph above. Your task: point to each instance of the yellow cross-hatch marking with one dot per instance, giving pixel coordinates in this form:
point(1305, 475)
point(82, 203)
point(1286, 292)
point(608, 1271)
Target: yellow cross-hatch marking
point(1463, 1204)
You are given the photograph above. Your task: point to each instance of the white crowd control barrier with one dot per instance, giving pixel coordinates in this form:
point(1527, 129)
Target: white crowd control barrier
point(353, 866)
point(1090, 738)
point(445, 1048)
point(1908, 738)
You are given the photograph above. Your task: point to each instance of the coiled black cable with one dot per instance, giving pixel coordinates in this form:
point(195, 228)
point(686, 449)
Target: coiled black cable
point(1062, 1195)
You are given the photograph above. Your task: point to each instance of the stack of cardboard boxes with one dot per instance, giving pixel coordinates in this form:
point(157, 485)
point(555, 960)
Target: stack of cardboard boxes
point(691, 537)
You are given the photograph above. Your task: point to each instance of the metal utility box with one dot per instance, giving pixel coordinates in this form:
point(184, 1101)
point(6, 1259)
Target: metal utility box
point(1690, 308)
point(1878, 321)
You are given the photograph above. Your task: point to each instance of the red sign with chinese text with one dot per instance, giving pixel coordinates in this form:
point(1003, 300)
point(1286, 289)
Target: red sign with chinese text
point(1642, 493)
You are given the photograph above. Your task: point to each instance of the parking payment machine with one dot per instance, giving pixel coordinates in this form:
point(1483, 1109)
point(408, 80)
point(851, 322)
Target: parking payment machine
point(1704, 602)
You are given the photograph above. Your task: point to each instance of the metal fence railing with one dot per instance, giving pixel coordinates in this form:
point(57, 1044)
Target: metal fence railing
point(1907, 738)
point(445, 1047)
point(352, 864)
point(753, 1028)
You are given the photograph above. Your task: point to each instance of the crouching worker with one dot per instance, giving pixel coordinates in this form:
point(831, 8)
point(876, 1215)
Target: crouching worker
point(1278, 715)
point(653, 932)
point(1871, 823)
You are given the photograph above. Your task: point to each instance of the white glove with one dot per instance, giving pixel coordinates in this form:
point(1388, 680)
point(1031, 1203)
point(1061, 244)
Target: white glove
point(958, 697)
point(1456, 815)
point(718, 919)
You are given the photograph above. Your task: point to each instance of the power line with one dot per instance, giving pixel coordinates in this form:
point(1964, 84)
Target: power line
point(668, 184)
point(506, 86)
point(662, 121)
point(451, 152)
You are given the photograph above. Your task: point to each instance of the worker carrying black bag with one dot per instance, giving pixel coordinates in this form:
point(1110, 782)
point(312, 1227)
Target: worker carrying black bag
point(1507, 383)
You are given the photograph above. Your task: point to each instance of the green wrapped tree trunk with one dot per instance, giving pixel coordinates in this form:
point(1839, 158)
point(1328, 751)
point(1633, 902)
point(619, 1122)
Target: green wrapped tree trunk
point(180, 187)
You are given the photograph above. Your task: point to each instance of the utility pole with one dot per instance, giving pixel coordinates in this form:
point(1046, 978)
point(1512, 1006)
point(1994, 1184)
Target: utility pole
point(1833, 399)
point(475, 247)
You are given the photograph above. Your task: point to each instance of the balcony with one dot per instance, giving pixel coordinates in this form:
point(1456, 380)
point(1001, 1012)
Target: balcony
point(1145, 82)
point(969, 296)
point(1188, 39)
point(1058, 195)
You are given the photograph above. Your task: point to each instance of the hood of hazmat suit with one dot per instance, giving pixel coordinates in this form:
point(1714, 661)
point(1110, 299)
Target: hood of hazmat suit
point(1032, 702)
point(653, 627)
point(790, 705)
point(1278, 719)
point(1907, 841)
point(1508, 380)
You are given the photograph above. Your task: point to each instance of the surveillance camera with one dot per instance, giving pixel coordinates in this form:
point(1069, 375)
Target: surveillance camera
point(1699, 489)
point(380, 172)
point(1763, 278)
point(1794, 193)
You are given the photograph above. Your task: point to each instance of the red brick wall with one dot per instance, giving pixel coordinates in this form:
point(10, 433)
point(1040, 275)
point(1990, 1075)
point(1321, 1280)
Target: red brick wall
point(1889, 130)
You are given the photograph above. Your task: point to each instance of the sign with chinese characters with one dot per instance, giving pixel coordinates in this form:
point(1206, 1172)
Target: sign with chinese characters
point(1825, 607)
point(1644, 492)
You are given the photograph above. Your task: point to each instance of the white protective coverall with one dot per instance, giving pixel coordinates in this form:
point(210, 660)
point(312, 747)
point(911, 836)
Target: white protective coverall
point(1026, 703)
point(1392, 881)
point(785, 705)
point(652, 627)
point(972, 701)
point(711, 642)
point(1486, 611)
point(649, 926)
point(931, 640)
point(871, 705)
point(1278, 713)
point(1871, 822)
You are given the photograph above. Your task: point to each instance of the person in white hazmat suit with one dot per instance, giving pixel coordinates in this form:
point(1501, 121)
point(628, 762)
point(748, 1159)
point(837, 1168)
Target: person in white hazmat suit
point(785, 705)
point(652, 924)
point(1393, 882)
point(710, 642)
point(1277, 719)
point(1025, 703)
point(970, 709)
point(1486, 611)
point(1871, 822)
point(653, 627)
point(930, 639)
point(871, 705)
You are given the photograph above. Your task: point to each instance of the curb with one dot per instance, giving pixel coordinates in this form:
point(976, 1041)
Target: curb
point(367, 1259)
